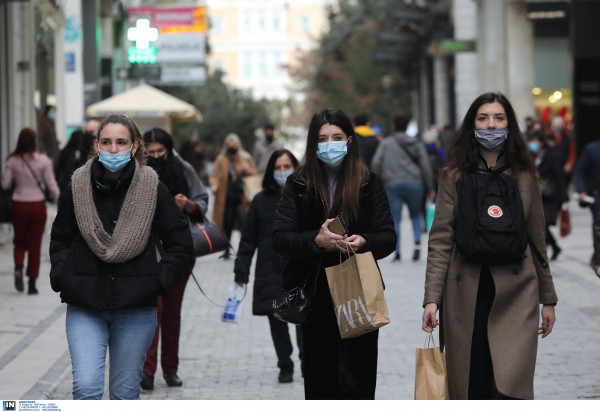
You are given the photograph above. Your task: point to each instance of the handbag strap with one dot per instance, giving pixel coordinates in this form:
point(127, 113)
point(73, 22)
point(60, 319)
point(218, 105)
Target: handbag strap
point(209, 299)
point(429, 340)
point(34, 176)
point(411, 155)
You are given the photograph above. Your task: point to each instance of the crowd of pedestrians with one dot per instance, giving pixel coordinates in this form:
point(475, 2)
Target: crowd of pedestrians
point(122, 253)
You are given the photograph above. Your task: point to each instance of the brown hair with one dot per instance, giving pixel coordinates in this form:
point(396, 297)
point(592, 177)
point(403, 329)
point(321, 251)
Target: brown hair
point(353, 172)
point(26, 143)
point(134, 132)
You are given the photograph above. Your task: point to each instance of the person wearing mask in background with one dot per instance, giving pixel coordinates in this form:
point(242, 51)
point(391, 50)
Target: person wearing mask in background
point(366, 138)
point(554, 188)
point(117, 243)
point(264, 147)
point(192, 198)
point(403, 165)
point(26, 168)
point(490, 313)
point(47, 131)
point(257, 235)
point(334, 180)
point(232, 164)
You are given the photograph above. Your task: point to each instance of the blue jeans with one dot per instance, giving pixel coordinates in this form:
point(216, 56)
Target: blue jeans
point(412, 195)
point(126, 332)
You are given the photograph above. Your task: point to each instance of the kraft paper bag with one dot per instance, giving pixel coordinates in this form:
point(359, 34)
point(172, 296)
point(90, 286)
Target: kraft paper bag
point(357, 294)
point(431, 382)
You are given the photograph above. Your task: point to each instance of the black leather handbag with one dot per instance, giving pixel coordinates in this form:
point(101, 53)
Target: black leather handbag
point(208, 237)
point(292, 306)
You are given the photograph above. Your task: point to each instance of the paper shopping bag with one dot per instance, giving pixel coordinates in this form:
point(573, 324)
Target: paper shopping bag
point(430, 374)
point(357, 294)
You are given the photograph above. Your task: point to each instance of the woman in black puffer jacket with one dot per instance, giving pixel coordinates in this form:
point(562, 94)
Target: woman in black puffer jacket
point(333, 180)
point(257, 234)
point(118, 241)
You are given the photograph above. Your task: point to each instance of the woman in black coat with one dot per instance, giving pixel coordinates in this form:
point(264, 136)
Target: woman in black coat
point(333, 181)
point(257, 234)
point(551, 172)
point(117, 243)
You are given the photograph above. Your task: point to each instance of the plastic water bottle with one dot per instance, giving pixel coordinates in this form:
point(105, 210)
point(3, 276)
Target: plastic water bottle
point(234, 305)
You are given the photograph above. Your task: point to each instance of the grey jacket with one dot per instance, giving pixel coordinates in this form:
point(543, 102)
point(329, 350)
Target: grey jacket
point(395, 165)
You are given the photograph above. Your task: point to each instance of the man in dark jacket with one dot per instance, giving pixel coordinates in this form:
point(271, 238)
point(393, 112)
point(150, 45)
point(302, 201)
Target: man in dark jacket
point(366, 138)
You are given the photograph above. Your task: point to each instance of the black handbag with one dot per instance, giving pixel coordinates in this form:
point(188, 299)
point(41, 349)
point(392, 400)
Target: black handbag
point(292, 306)
point(547, 191)
point(5, 204)
point(208, 237)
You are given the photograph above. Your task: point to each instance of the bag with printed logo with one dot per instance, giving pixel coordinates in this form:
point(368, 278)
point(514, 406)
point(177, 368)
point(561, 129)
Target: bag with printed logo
point(490, 223)
point(357, 293)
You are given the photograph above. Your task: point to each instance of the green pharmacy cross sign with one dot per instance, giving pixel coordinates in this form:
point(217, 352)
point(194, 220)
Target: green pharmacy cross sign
point(142, 34)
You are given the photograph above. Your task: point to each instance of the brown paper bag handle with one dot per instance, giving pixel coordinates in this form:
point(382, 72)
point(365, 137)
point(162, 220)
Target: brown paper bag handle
point(429, 340)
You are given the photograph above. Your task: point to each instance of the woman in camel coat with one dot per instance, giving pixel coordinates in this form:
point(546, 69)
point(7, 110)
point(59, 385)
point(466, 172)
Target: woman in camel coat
point(490, 313)
point(225, 182)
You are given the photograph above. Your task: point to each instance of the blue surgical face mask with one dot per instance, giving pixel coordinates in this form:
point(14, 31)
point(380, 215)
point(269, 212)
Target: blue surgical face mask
point(533, 147)
point(491, 139)
point(281, 177)
point(332, 153)
point(115, 161)
point(51, 115)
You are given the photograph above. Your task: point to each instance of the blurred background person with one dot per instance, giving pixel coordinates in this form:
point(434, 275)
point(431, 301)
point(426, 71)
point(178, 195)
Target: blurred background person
point(26, 168)
point(553, 186)
point(47, 138)
point(231, 165)
point(565, 144)
point(264, 147)
point(365, 137)
point(192, 151)
point(596, 257)
point(402, 163)
point(192, 198)
point(587, 178)
point(91, 127)
point(68, 159)
point(257, 235)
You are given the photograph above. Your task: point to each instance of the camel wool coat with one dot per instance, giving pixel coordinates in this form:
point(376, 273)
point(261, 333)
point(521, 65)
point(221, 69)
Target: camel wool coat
point(244, 166)
point(521, 287)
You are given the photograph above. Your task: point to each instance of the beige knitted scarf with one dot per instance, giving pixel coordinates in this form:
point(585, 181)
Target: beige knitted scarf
point(133, 227)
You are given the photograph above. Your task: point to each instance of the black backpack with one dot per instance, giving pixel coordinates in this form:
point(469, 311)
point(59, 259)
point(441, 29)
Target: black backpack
point(490, 225)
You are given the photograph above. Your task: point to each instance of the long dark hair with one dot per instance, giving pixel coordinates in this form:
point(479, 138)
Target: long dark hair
point(353, 172)
point(464, 153)
point(171, 174)
point(269, 182)
point(26, 143)
point(134, 132)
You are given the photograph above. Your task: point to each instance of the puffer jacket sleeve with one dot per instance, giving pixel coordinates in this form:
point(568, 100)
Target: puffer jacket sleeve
point(64, 229)
point(248, 243)
point(441, 240)
point(288, 237)
point(381, 236)
point(175, 237)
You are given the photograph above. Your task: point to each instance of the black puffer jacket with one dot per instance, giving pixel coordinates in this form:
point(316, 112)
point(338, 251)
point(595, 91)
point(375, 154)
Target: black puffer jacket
point(86, 281)
point(257, 234)
point(298, 220)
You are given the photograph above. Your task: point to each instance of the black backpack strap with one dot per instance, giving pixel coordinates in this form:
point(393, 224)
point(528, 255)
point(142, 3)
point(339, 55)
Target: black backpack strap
point(536, 252)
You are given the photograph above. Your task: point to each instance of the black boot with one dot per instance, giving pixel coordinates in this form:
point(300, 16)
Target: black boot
point(417, 252)
point(286, 374)
point(19, 278)
point(32, 289)
point(147, 381)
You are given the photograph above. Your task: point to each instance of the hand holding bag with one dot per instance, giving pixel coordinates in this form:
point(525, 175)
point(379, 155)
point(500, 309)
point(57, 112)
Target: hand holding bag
point(431, 382)
point(357, 293)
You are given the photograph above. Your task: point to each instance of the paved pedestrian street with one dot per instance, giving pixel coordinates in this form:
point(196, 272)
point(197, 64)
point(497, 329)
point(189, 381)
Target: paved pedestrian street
point(228, 361)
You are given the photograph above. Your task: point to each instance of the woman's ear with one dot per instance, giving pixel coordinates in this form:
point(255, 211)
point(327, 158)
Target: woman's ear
point(134, 148)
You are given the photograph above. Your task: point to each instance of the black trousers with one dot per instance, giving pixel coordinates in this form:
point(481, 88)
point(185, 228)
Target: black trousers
point(283, 342)
point(336, 368)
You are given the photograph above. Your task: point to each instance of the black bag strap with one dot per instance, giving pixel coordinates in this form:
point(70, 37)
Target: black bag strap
point(411, 155)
